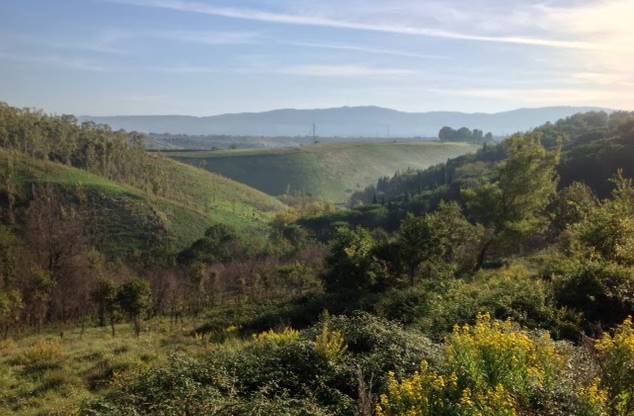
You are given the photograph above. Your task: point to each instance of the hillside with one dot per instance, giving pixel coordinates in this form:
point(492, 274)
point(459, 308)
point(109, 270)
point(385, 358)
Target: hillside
point(130, 201)
point(328, 171)
point(123, 218)
point(369, 121)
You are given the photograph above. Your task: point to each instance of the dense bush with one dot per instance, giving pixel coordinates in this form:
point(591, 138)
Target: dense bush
point(492, 368)
point(616, 355)
point(317, 372)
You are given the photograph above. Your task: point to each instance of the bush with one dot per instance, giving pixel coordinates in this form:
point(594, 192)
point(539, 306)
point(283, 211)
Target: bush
point(512, 293)
point(603, 292)
point(272, 338)
point(492, 368)
point(312, 372)
point(43, 355)
point(616, 355)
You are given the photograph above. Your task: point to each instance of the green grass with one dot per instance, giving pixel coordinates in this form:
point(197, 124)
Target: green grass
point(45, 374)
point(126, 218)
point(328, 171)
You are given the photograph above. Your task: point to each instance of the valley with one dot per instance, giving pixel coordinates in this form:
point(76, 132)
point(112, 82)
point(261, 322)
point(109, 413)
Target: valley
point(331, 172)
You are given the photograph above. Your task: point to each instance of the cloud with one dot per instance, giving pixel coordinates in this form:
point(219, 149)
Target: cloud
point(60, 61)
point(207, 38)
point(356, 48)
point(317, 20)
point(544, 96)
point(343, 71)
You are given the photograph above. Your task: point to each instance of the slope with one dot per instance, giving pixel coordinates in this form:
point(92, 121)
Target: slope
point(328, 171)
point(123, 219)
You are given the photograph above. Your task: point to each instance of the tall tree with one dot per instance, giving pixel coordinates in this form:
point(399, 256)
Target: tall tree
point(513, 204)
point(134, 298)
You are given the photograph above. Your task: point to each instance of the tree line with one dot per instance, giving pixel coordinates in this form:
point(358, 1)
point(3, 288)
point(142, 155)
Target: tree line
point(464, 134)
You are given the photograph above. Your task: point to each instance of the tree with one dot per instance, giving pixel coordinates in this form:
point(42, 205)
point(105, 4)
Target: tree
point(597, 258)
point(10, 306)
point(439, 241)
point(104, 295)
point(351, 264)
point(513, 205)
point(572, 205)
point(219, 244)
point(134, 298)
point(56, 238)
point(446, 133)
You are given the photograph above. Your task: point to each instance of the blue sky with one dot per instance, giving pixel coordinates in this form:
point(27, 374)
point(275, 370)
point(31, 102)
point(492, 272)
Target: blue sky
point(203, 57)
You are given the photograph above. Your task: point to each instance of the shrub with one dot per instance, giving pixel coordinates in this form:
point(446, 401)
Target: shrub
point(493, 353)
point(43, 355)
point(331, 344)
point(351, 264)
point(512, 293)
point(272, 338)
point(425, 393)
point(602, 291)
point(492, 368)
point(616, 355)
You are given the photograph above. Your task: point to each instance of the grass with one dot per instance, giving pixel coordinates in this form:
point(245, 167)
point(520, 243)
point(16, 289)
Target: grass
point(45, 374)
point(328, 171)
point(128, 219)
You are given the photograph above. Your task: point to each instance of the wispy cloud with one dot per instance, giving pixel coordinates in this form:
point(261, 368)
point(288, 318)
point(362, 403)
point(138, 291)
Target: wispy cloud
point(543, 96)
point(59, 61)
point(206, 37)
point(357, 48)
point(344, 71)
point(315, 20)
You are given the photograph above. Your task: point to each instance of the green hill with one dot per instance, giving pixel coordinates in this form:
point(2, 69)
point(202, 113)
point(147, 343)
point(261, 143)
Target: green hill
point(328, 171)
point(123, 219)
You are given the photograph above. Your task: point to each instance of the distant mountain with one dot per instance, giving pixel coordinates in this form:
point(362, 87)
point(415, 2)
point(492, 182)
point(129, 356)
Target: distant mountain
point(368, 121)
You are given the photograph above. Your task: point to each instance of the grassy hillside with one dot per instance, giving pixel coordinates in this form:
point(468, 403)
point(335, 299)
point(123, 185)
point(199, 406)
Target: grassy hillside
point(328, 171)
point(123, 218)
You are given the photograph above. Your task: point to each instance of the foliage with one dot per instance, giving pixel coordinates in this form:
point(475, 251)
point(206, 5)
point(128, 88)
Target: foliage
point(511, 292)
point(513, 204)
point(492, 368)
point(10, 306)
point(330, 344)
point(134, 298)
point(219, 244)
point(44, 354)
point(351, 264)
point(573, 204)
point(616, 355)
point(463, 134)
point(104, 295)
point(438, 242)
point(272, 338)
point(596, 273)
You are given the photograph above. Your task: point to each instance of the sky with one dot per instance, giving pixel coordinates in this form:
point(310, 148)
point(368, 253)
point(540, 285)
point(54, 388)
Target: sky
point(205, 57)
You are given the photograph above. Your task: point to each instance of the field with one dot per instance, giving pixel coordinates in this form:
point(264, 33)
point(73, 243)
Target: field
point(126, 218)
point(49, 374)
point(327, 171)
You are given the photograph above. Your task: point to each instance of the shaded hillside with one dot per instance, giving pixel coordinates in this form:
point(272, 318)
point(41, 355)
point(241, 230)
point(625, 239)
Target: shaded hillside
point(129, 200)
point(367, 121)
point(594, 146)
point(328, 171)
point(122, 218)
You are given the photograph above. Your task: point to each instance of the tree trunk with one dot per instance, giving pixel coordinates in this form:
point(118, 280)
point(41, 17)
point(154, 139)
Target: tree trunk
point(112, 326)
point(483, 253)
point(137, 326)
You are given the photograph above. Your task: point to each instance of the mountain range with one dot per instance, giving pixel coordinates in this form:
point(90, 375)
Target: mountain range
point(365, 121)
